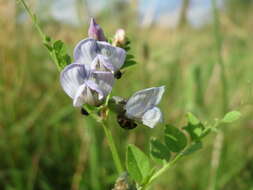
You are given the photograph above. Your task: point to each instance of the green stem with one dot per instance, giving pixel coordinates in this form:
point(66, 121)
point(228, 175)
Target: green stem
point(46, 41)
point(218, 44)
point(161, 171)
point(112, 146)
point(34, 20)
point(217, 148)
point(108, 134)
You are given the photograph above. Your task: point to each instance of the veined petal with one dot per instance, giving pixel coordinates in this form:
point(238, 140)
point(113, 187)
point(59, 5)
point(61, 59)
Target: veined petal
point(104, 80)
point(142, 101)
point(85, 95)
point(72, 77)
point(95, 87)
point(79, 98)
point(100, 63)
point(115, 55)
point(85, 51)
point(152, 117)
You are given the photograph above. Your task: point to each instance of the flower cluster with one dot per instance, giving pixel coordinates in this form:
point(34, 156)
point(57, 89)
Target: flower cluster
point(90, 78)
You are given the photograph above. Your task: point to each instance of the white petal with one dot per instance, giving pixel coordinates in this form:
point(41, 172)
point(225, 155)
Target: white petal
point(94, 86)
point(86, 95)
point(142, 101)
point(152, 117)
point(104, 80)
point(72, 77)
point(85, 51)
point(101, 63)
point(115, 55)
point(79, 98)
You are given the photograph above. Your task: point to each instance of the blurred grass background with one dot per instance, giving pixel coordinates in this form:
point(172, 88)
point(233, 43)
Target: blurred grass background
point(47, 144)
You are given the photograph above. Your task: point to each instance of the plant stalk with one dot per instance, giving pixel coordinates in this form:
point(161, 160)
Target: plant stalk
point(107, 131)
point(218, 44)
point(45, 39)
point(217, 147)
point(161, 171)
point(108, 134)
point(112, 146)
point(34, 20)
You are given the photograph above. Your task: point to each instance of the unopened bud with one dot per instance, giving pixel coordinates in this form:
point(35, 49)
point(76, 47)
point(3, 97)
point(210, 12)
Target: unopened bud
point(95, 31)
point(119, 38)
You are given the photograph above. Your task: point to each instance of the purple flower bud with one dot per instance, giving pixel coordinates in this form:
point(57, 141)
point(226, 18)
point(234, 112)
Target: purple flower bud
point(95, 31)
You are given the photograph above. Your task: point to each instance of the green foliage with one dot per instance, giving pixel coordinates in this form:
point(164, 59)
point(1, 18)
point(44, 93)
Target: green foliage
point(32, 94)
point(137, 164)
point(129, 61)
point(175, 139)
point(231, 117)
point(58, 52)
point(195, 128)
point(192, 119)
point(193, 148)
point(158, 150)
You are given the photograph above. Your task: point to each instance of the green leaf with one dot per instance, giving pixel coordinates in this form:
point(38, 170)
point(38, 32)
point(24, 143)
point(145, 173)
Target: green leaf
point(48, 39)
point(158, 150)
point(196, 132)
point(128, 42)
point(62, 59)
point(192, 119)
point(206, 131)
point(129, 56)
point(128, 64)
point(58, 44)
point(231, 117)
point(67, 59)
point(127, 48)
point(174, 139)
point(193, 148)
point(137, 163)
point(48, 46)
point(195, 128)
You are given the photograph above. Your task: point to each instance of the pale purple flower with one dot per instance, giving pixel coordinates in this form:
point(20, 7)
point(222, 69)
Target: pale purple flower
point(86, 86)
point(100, 55)
point(95, 31)
point(142, 106)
